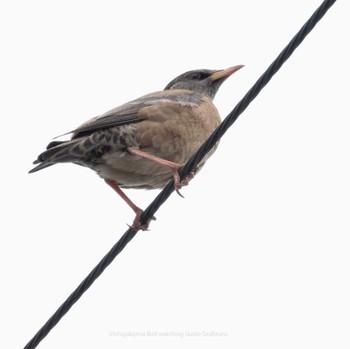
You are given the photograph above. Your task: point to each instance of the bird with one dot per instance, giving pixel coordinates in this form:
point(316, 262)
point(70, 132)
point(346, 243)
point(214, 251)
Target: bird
point(144, 143)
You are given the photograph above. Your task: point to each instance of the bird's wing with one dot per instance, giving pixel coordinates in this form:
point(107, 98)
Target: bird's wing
point(125, 114)
point(156, 108)
point(135, 111)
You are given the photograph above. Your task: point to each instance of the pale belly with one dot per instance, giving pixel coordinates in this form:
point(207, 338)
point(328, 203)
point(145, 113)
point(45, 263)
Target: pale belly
point(131, 171)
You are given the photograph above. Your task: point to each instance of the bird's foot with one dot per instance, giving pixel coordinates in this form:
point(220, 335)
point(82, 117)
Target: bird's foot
point(136, 225)
point(178, 184)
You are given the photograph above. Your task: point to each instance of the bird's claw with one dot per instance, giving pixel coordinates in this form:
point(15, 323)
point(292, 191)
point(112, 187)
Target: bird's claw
point(136, 224)
point(178, 184)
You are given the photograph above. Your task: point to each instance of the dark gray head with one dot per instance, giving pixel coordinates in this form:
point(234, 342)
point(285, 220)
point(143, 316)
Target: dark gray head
point(203, 81)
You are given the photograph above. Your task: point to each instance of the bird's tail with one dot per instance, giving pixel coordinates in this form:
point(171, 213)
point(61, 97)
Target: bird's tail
point(56, 152)
point(41, 166)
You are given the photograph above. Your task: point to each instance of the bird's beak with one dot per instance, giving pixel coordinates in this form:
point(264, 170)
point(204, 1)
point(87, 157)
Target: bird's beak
point(225, 73)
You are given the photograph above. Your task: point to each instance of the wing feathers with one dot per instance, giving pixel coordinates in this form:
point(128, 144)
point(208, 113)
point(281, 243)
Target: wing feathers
point(158, 107)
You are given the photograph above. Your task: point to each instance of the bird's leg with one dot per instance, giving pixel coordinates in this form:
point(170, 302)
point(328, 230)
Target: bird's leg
point(138, 211)
point(113, 184)
point(173, 166)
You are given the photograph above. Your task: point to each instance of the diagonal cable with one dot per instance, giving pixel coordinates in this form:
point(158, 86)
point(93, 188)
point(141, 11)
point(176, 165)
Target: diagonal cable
point(190, 165)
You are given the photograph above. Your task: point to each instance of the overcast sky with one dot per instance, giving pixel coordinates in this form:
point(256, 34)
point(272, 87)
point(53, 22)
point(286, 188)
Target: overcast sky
point(255, 256)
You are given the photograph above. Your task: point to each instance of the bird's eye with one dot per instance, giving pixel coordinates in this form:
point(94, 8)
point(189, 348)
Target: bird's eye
point(196, 76)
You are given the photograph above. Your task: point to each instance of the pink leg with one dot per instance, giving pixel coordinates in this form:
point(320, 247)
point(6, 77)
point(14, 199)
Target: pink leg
point(138, 211)
point(173, 166)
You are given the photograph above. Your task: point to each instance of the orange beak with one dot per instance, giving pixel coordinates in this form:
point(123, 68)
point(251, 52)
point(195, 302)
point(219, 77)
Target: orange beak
point(225, 73)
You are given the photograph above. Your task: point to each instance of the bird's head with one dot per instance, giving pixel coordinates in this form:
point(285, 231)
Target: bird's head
point(203, 81)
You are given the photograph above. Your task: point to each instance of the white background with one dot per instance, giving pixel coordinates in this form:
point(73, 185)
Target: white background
point(257, 251)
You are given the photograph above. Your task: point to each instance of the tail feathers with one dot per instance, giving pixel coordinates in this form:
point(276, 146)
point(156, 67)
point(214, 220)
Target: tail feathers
point(57, 152)
point(41, 166)
point(54, 144)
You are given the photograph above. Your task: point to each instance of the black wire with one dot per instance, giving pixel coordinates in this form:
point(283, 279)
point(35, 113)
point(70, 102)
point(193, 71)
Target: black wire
point(190, 165)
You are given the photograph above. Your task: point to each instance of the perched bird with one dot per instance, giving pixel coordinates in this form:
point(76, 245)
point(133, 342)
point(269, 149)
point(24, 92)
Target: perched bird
point(144, 143)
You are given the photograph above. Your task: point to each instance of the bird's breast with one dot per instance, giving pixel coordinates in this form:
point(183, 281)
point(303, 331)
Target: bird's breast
point(177, 137)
